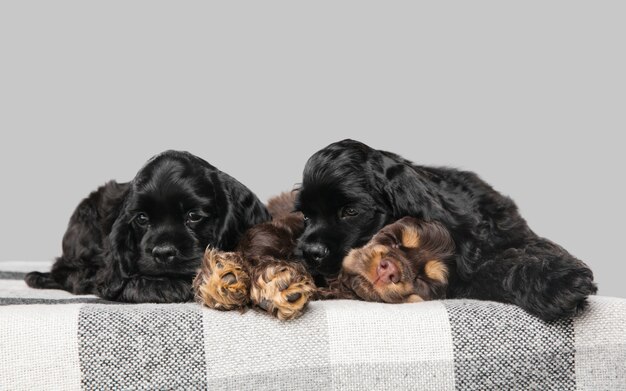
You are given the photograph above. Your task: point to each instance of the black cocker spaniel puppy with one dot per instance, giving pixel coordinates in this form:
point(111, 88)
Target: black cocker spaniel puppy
point(143, 241)
point(350, 191)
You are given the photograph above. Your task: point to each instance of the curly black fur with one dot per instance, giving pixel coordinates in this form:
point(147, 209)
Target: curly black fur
point(350, 191)
point(143, 241)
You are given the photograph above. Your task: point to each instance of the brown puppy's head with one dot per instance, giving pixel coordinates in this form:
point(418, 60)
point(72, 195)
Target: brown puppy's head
point(406, 261)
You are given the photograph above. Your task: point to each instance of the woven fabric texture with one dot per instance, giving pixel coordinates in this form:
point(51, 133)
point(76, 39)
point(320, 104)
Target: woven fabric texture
point(53, 340)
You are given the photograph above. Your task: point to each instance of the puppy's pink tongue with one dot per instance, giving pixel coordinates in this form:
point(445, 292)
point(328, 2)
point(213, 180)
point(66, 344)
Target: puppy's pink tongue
point(388, 272)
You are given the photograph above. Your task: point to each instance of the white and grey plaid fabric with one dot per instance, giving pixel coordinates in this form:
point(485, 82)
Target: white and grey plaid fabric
point(52, 340)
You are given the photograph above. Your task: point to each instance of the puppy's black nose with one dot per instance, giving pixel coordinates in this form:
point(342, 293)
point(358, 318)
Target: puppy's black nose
point(315, 251)
point(164, 253)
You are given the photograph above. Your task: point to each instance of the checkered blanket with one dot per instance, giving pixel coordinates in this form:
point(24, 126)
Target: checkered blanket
point(53, 340)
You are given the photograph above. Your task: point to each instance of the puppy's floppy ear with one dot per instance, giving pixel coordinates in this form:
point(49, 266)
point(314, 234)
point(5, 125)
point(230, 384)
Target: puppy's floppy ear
point(434, 238)
point(240, 210)
point(120, 257)
point(404, 187)
point(411, 190)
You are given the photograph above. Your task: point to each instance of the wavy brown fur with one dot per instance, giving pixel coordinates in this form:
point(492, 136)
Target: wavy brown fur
point(275, 282)
point(421, 253)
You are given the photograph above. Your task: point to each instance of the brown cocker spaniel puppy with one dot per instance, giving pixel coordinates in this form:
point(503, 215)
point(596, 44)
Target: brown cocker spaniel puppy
point(405, 262)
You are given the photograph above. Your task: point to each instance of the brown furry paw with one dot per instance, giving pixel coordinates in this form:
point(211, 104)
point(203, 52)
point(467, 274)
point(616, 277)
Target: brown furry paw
point(222, 282)
point(283, 289)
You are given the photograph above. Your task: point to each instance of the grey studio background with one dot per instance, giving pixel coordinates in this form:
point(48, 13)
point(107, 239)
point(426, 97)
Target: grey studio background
point(529, 95)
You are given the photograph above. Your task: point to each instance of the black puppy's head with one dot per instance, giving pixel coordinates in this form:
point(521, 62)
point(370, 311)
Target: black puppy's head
point(349, 192)
point(342, 202)
point(176, 206)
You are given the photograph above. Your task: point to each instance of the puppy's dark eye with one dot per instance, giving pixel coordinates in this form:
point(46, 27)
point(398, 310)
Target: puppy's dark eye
point(348, 212)
point(194, 217)
point(142, 219)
